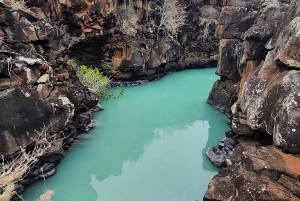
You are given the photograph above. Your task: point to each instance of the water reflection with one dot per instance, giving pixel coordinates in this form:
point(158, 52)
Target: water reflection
point(148, 145)
point(168, 165)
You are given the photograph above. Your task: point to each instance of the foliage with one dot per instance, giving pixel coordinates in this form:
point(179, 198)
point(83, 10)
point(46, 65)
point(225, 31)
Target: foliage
point(127, 19)
point(173, 17)
point(95, 81)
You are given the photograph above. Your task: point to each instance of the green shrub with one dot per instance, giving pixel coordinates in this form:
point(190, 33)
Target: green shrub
point(95, 81)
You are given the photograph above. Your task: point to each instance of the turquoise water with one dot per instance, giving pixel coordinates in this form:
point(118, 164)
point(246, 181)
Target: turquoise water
point(149, 145)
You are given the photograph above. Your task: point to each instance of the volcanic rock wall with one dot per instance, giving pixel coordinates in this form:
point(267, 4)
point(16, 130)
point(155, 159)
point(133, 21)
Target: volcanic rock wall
point(37, 88)
point(259, 67)
point(143, 56)
point(258, 90)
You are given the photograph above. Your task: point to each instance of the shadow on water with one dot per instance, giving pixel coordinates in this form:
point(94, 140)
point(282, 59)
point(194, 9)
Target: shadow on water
point(152, 138)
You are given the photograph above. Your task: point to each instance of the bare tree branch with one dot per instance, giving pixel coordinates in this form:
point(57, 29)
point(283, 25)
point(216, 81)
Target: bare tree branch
point(173, 17)
point(18, 167)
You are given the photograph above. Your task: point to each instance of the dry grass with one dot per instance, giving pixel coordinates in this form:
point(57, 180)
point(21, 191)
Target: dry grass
point(7, 194)
point(16, 168)
point(46, 196)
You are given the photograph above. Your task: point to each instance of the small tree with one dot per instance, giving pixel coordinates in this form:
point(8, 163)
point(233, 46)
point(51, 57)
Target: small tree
point(95, 81)
point(173, 17)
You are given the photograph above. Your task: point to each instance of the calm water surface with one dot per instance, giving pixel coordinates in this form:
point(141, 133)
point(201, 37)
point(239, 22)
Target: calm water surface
point(149, 145)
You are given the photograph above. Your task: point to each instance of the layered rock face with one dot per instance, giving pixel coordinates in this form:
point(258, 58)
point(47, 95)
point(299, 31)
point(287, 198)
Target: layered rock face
point(37, 88)
point(257, 173)
point(38, 91)
point(143, 55)
point(258, 89)
point(259, 69)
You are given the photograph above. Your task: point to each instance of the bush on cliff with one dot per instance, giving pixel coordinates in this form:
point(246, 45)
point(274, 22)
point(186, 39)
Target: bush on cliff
point(95, 81)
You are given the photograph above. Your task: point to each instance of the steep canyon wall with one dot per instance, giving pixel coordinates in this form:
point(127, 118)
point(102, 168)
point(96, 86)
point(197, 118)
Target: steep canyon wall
point(258, 89)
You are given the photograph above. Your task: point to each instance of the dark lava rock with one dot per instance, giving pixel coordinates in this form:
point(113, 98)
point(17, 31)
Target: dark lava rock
point(56, 154)
point(257, 173)
point(218, 154)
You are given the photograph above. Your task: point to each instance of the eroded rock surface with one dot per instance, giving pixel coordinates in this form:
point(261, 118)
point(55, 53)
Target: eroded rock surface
point(256, 173)
point(264, 63)
point(262, 101)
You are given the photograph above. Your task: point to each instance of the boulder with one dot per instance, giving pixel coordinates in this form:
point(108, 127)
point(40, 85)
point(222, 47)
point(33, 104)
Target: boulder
point(223, 95)
point(219, 155)
point(22, 31)
point(98, 107)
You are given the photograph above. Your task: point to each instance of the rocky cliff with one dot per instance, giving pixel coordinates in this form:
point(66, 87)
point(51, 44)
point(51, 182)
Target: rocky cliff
point(141, 55)
point(258, 89)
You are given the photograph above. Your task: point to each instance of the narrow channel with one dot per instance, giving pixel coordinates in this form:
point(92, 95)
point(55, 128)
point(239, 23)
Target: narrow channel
point(148, 145)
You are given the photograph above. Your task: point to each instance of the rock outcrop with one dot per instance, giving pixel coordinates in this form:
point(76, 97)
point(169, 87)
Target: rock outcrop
point(38, 90)
point(258, 90)
point(259, 75)
point(257, 173)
